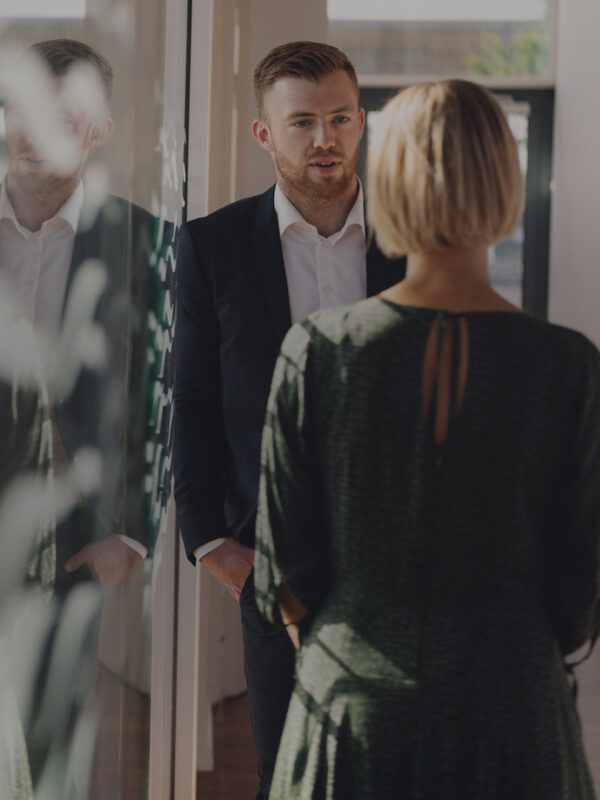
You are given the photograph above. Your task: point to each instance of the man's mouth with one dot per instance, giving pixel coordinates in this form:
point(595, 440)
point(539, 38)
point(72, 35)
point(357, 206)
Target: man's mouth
point(325, 164)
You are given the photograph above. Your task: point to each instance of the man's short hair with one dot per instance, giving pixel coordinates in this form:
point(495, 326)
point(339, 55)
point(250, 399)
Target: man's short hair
point(61, 55)
point(310, 60)
point(443, 170)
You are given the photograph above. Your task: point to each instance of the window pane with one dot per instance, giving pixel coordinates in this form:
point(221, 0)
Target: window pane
point(506, 258)
point(477, 38)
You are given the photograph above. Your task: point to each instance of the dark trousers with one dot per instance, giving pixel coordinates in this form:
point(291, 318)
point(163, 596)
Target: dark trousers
point(72, 534)
point(269, 658)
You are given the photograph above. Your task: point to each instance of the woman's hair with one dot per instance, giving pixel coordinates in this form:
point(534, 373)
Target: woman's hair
point(443, 170)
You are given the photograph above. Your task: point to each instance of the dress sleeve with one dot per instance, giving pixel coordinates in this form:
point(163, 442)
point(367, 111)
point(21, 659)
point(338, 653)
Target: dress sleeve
point(291, 542)
point(572, 545)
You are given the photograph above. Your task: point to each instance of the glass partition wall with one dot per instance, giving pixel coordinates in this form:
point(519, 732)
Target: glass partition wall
point(92, 133)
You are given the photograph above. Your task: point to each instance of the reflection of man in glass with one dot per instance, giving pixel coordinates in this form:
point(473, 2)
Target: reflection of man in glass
point(76, 261)
point(66, 250)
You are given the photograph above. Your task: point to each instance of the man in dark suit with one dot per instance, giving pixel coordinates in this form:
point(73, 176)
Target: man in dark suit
point(244, 274)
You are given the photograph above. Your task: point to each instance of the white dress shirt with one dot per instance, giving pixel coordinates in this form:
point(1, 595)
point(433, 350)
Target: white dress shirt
point(321, 271)
point(34, 268)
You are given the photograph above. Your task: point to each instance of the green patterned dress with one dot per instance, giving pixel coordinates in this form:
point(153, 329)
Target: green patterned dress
point(446, 575)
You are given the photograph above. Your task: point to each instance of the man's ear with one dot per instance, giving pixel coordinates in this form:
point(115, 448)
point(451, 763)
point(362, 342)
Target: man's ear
point(99, 133)
point(361, 118)
point(262, 134)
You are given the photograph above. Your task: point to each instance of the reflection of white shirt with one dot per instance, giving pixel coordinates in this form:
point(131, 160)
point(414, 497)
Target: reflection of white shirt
point(321, 272)
point(34, 268)
point(35, 265)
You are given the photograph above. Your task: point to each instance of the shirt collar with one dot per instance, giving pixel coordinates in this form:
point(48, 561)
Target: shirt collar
point(288, 214)
point(69, 211)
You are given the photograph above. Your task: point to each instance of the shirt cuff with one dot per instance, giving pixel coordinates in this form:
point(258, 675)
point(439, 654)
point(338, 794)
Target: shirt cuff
point(135, 545)
point(204, 549)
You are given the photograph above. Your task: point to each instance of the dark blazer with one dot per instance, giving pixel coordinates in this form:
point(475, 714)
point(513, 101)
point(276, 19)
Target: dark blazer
point(104, 407)
point(119, 239)
point(232, 314)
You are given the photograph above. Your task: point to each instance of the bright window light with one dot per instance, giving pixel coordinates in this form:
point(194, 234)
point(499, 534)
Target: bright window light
point(436, 10)
point(42, 9)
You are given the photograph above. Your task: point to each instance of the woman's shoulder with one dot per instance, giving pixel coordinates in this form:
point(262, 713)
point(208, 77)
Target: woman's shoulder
point(369, 321)
point(573, 343)
point(356, 323)
point(537, 347)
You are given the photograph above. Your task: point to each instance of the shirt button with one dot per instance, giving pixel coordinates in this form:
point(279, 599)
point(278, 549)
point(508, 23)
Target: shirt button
point(29, 283)
point(327, 288)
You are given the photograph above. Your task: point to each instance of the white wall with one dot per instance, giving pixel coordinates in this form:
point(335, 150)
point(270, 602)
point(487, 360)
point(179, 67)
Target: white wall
point(575, 227)
point(275, 22)
point(238, 34)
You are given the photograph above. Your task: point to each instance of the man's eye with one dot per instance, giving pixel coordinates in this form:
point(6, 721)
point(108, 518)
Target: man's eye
point(340, 119)
point(301, 123)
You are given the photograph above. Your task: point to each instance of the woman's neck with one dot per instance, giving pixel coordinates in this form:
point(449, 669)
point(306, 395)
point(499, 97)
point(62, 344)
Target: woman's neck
point(455, 280)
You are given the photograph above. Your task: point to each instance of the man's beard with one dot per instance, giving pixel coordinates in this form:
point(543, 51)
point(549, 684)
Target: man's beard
point(325, 187)
point(43, 183)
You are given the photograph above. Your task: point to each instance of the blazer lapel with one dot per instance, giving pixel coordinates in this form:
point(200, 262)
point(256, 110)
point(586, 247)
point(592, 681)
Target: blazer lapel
point(270, 261)
point(88, 244)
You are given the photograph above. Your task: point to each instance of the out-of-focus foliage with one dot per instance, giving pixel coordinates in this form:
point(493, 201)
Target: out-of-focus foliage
point(525, 54)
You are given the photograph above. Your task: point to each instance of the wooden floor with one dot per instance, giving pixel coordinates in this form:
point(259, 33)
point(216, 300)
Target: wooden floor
point(588, 677)
point(120, 768)
point(234, 777)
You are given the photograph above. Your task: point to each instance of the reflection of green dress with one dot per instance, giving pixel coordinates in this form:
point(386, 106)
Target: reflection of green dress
point(443, 581)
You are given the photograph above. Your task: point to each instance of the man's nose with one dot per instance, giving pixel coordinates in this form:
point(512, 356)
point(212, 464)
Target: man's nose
point(16, 123)
point(323, 135)
point(25, 138)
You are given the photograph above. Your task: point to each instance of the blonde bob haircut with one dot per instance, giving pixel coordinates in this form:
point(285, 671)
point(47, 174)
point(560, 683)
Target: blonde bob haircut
point(443, 170)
